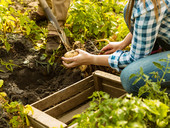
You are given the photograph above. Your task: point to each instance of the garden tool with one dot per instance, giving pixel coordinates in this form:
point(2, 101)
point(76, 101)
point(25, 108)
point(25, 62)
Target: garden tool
point(55, 23)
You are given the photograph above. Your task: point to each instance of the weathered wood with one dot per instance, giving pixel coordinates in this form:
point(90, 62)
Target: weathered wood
point(66, 103)
point(64, 94)
point(122, 96)
point(70, 103)
point(113, 91)
point(73, 126)
point(97, 83)
point(40, 119)
point(68, 117)
point(112, 83)
point(107, 76)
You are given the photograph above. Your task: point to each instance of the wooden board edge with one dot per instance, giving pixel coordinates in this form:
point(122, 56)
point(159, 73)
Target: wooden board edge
point(107, 76)
point(69, 104)
point(43, 120)
point(57, 96)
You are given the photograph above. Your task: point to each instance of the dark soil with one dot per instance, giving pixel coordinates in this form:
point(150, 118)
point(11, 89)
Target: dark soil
point(30, 81)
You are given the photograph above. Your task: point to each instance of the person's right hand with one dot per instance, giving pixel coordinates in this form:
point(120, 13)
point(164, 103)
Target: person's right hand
point(112, 47)
point(83, 58)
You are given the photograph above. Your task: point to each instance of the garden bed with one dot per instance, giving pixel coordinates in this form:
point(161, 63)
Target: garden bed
point(59, 108)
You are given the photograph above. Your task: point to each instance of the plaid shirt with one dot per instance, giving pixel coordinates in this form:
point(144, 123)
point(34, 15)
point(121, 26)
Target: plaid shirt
point(145, 31)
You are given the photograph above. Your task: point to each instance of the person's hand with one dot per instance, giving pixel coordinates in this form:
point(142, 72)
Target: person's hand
point(111, 47)
point(83, 58)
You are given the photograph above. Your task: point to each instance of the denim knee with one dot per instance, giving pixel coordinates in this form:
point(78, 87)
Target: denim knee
point(147, 65)
point(128, 83)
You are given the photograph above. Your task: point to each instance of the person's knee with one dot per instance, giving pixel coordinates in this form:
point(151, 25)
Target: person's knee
point(125, 81)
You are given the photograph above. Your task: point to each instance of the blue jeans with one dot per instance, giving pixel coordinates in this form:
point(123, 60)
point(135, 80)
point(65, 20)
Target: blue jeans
point(148, 66)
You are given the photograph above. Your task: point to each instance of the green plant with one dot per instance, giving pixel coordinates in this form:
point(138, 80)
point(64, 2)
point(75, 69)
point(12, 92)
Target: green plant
point(153, 89)
point(17, 21)
point(16, 112)
point(127, 112)
point(89, 19)
point(8, 65)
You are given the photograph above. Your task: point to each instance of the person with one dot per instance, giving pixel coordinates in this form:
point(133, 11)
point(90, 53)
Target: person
point(148, 22)
point(59, 9)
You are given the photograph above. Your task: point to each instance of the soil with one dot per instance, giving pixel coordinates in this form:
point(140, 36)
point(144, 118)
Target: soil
point(29, 80)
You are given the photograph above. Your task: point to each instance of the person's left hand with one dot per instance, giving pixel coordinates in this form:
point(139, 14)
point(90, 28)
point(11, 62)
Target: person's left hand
point(83, 58)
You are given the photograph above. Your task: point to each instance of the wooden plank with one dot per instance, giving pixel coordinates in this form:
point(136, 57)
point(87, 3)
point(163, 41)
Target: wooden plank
point(97, 83)
point(40, 119)
point(73, 126)
point(107, 76)
point(36, 124)
point(64, 94)
point(68, 117)
point(70, 103)
point(123, 95)
point(113, 91)
point(112, 83)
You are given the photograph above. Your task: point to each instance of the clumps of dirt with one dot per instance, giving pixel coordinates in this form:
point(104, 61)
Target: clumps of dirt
point(30, 79)
point(28, 86)
point(20, 48)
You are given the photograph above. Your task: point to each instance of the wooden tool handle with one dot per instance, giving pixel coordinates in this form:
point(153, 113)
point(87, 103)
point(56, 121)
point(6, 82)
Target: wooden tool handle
point(43, 4)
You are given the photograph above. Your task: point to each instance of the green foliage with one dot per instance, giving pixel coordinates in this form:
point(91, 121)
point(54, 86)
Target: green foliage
point(153, 89)
point(128, 112)
point(15, 111)
point(95, 20)
point(15, 21)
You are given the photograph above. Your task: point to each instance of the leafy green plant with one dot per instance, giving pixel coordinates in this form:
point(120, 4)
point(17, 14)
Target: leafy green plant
point(95, 20)
point(16, 112)
point(153, 89)
point(127, 112)
point(17, 21)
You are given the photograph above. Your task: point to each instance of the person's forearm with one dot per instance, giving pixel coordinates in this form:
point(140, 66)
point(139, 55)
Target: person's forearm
point(99, 60)
point(127, 40)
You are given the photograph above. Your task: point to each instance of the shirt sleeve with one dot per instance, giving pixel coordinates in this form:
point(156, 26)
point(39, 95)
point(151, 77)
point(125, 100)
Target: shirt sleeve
point(144, 35)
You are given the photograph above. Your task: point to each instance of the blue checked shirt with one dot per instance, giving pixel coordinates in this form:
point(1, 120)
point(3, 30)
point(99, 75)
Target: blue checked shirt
point(145, 31)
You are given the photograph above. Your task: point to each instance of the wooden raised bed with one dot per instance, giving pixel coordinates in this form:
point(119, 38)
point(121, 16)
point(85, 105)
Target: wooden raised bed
point(59, 108)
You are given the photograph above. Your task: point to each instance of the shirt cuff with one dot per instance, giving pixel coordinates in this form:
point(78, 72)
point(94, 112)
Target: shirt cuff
point(114, 60)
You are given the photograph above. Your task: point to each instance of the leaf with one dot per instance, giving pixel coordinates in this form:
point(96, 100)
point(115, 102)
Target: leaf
point(28, 30)
point(2, 71)
point(155, 87)
point(141, 70)
point(3, 94)
point(76, 116)
point(131, 76)
point(162, 124)
point(158, 65)
point(146, 76)
point(143, 90)
point(139, 78)
point(7, 46)
point(27, 121)
point(163, 60)
point(1, 83)
point(27, 109)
